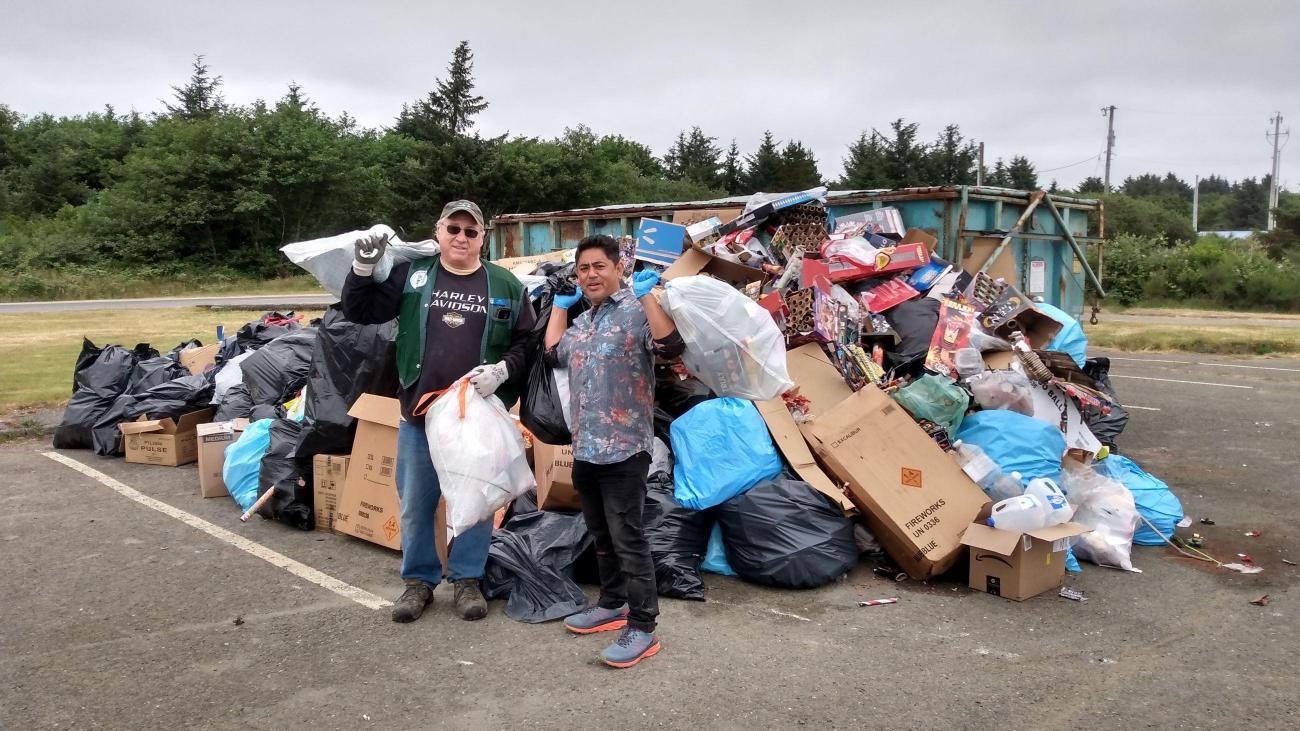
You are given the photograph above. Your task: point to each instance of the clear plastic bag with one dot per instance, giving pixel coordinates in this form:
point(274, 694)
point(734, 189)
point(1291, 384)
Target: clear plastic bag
point(732, 344)
point(330, 259)
point(1105, 506)
point(855, 249)
point(478, 453)
point(1008, 390)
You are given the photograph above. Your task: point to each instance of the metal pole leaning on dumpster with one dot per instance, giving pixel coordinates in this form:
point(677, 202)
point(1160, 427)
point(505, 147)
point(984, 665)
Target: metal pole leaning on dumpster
point(1078, 252)
point(1034, 199)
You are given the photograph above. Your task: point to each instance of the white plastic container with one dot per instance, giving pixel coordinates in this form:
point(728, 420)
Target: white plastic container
point(969, 362)
point(1046, 490)
point(975, 463)
point(1006, 486)
point(1019, 514)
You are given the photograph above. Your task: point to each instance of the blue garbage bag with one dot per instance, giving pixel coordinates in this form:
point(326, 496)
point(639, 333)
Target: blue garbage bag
point(721, 448)
point(244, 462)
point(1072, 563)
point(715, 556)
point(1070, 339)
point(1016, 443)
point(1154, 500)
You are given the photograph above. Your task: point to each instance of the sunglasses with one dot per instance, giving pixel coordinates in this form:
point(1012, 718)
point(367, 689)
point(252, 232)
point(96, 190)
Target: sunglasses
point(454, 230)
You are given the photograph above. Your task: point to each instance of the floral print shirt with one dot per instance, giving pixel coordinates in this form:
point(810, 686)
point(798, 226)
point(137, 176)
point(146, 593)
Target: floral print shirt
point(610, 356)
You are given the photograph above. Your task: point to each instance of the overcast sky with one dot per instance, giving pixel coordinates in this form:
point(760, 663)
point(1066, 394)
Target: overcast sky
point(1195, 82)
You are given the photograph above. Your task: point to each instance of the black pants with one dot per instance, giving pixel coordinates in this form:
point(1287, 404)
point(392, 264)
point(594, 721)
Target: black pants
point(613, 498)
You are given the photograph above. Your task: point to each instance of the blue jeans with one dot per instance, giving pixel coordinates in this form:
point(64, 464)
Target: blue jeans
point(418, 490)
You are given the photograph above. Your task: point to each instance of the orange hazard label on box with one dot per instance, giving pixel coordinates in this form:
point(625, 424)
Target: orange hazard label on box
point(390, 527)
point(911, 477)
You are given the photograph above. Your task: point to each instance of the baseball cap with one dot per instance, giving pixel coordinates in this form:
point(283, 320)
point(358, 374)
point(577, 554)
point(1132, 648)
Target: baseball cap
point(463, 205)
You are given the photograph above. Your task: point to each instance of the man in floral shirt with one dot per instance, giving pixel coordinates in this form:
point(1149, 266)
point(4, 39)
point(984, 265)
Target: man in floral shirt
point(610, 351)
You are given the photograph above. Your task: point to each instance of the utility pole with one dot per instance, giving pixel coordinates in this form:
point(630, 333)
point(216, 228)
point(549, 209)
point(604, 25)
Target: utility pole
point(1109, 114)
point(1272, 188)
point(1196, 205)
point(979, 174)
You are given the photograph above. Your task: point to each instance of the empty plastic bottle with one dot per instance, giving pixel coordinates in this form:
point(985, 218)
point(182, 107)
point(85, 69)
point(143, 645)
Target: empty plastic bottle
point(975, 463)
point(1006, 486)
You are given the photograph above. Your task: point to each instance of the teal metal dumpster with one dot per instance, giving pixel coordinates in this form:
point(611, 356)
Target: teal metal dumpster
point(1036, 239)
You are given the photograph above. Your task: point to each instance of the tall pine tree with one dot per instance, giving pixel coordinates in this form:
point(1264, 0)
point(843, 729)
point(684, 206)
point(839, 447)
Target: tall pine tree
point(798, 168)
point(1021, 175)
point(952, 159)
point(694, 157)
point(864, 167)
point(450, 108)
point(200, 97)
point(905, 158)
point(731, 171)
point(764, 166)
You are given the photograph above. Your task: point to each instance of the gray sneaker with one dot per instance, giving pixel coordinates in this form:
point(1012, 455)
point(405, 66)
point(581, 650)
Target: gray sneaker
point(596, 619)
point(410, 605)
point(631, 647)
point(470, 604)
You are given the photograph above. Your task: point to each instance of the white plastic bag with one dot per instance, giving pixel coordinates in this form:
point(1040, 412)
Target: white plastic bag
point(230, 374)
point(1105, 506)
point(330, 259)
point(855, 249)
point(478, 453)
point(732, 344)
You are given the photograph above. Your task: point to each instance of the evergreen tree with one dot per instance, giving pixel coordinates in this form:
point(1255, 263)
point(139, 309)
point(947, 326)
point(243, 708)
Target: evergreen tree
point(458, 104)
point(1092, 184)
point(694, 157)
point(798, 168)
point(1021, 175)
point(905, 159)
point(200, 97)
point(449, 109)
point(864, 167)
point(952, 159)
point(764, 166)
point(999, 178)
point(731, 171)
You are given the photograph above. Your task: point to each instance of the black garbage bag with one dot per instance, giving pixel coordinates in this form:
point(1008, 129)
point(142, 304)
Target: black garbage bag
point(173, 399)
point(345, 360)
point(292, 502)
point(678, 537)
point(784, 533)
point(175, 353)
point(266, 329)
point(266, 411)
point(531, 563)
point(278, 369)
point(1106, 428)
point(154, 371)
point(542, 409)
point(168, 400)
point(234, 404)
point(914, 321)
point(100, 378)
point(677, 395)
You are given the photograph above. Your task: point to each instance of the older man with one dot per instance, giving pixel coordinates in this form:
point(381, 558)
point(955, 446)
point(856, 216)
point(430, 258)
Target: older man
point(456, 316)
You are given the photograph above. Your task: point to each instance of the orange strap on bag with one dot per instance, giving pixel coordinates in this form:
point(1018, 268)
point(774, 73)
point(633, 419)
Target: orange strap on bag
point(425, 401)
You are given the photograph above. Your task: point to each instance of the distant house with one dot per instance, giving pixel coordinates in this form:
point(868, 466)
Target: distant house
point(1227, 234)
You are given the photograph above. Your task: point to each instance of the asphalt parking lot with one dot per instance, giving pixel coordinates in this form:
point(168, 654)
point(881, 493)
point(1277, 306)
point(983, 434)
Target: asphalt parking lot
point(122, 610)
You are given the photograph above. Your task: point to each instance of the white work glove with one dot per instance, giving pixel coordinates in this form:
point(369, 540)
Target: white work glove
point(366, 253)
point(486, 379)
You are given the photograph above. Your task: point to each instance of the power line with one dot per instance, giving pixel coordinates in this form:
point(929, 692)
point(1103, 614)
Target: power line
point(1174, 113)
point(1092, 158)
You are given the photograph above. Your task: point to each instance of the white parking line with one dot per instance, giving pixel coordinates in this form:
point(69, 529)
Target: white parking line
point(1150, 360)
point(1174, 380)
point(301, 570)
point(1258, 368)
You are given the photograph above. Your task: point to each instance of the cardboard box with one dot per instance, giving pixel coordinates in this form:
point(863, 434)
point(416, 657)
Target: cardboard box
point(198, 360)
point(554, 472)
point(904, 257)
point(817, 379)
point(368, 508)
point(694, 261)
point(981, 248)
point(1013, 310)
point(694, 216)
point(167, 442)
point(328, 475)
point(1018, 565)
point(213, 439)
point(531, 262)
point(785, 432)
point(913, 497)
